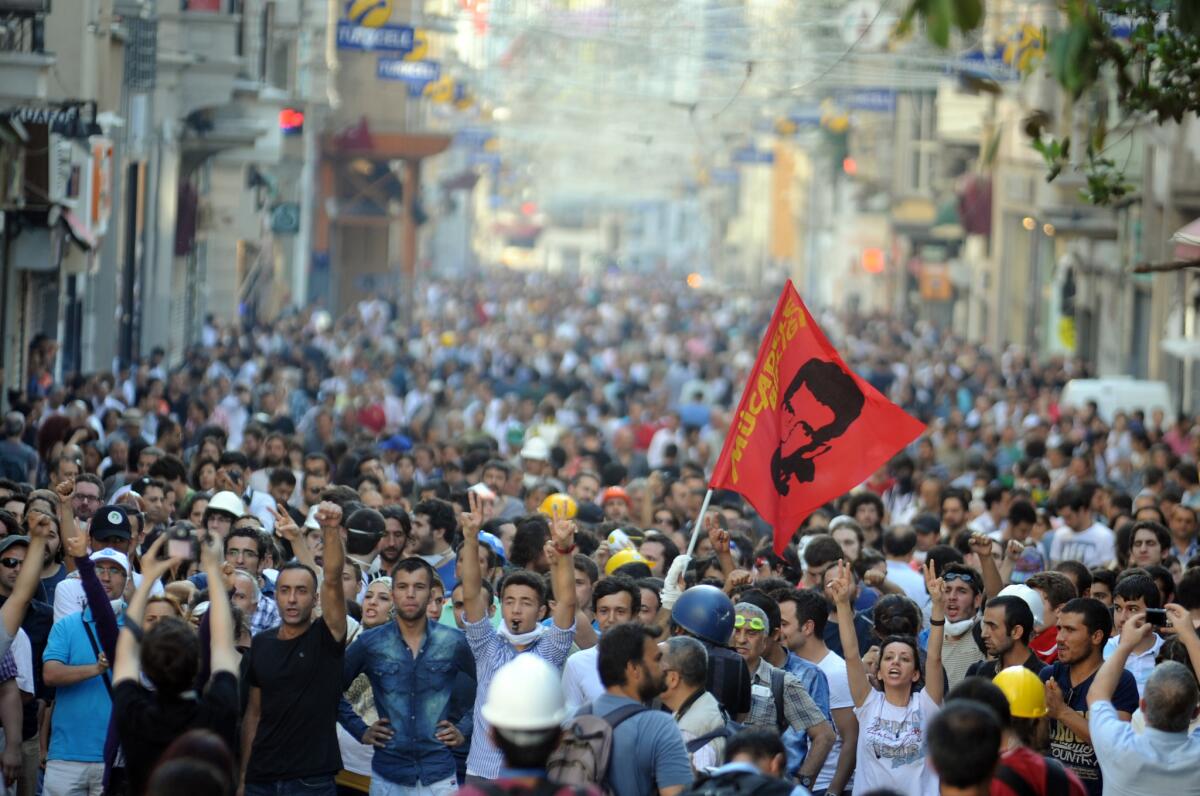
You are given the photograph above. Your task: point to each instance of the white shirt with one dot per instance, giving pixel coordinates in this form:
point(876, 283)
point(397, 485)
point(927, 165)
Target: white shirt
point(1139, 664)
point(892, 751)
point(912, 583)
point(1094, 547)
point(834, 667)
point(581, 678)
point(262, 505)
point(22, 651)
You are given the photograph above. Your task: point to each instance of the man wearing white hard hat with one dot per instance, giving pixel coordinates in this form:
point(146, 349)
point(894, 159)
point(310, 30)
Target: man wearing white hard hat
point(525, 709)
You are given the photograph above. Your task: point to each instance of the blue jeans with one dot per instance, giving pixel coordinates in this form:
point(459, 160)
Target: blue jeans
point(307, 786)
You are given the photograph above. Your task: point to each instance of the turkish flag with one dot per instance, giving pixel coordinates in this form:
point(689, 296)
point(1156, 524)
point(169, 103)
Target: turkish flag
point(807, 428)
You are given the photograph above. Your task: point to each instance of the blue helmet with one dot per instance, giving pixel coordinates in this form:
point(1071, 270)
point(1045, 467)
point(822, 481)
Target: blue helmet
point(706, 613)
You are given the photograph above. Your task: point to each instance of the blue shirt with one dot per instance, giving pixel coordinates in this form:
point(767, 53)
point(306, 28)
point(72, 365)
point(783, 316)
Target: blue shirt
point(1152, 762)
point(647, 751)
point(82, 710)
point(413, 693)
point(817, 686)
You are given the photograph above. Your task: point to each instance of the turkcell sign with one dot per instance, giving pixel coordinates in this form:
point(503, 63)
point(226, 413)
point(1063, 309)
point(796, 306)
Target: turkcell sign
point(386, 38)
point(419, 72)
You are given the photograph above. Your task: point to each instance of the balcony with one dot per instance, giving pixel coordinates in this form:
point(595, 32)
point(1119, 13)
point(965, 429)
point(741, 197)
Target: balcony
point(198, 56)
point(24, 64)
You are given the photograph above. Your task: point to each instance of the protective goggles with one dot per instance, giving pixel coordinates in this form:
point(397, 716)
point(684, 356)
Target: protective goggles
point(754, 623)
point(965, 577)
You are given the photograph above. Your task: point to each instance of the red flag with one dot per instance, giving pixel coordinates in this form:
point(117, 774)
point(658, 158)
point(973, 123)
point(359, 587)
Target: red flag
point(807, 428)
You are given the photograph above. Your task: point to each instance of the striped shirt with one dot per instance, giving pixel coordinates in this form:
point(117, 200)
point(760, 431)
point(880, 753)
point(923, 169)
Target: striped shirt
point(491, 652)
point(958, 654)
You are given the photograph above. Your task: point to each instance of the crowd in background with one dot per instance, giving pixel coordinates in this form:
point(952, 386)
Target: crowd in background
point(440, 541)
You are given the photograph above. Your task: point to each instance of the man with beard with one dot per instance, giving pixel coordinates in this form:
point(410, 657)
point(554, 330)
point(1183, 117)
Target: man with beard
point(1006, 629)
point(1084, 625)
point(397, 529)
point(647, 749)
point(413, 665)
point(434, 529)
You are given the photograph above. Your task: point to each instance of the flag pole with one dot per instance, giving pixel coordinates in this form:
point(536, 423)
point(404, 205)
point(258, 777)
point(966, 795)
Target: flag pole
point(699, 522)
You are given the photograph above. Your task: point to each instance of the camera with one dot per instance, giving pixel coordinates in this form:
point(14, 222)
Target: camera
point(182, 542)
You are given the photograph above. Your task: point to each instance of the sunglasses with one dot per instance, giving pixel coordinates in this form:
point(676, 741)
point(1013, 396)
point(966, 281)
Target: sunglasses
point(754, 623)
point(11, 563)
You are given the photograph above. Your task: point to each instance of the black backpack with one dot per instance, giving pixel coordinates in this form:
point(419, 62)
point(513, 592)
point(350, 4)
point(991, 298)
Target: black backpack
point(739, 783)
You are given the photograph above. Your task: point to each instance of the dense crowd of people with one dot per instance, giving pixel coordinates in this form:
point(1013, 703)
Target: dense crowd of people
point(463, 554)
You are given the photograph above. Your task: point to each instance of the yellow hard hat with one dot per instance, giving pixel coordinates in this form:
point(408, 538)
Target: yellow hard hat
point(623, 557)
point(567, 509)
point(1025, 691)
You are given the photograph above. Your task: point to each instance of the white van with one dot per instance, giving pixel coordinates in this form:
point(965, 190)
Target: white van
point(1114, 394)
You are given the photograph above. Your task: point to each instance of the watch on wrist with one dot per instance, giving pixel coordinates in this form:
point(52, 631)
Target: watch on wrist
point(807, 780)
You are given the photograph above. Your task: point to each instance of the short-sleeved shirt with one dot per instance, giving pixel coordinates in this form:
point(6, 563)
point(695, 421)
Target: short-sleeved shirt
point(1067, 747)
point(891, 745)
point(147, 724)
point(81, 710)
point(800, 712)
point(647, 752)
point(834, 667)
point(300, 680)
point(1093, 546)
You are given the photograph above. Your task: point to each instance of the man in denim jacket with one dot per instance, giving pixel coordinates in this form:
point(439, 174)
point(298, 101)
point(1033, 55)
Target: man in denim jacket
point(413, 665)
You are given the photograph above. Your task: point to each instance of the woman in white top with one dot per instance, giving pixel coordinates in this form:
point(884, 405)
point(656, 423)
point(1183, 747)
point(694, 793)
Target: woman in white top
point(893, 722)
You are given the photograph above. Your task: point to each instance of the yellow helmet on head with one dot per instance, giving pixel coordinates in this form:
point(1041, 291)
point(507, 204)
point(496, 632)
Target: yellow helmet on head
point(623, 557)
point(567, 508)
point(1025, 691)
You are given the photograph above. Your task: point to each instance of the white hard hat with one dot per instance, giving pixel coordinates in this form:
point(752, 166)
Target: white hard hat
point(227, 502)
point(536, 449)
point(1031, 597)
point(525, 694)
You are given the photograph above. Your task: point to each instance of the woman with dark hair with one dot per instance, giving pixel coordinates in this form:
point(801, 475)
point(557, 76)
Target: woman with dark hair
point(203, 477)
point(893, 721)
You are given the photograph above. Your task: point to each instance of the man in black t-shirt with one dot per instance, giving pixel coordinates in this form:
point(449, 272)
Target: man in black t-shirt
point(294, 676)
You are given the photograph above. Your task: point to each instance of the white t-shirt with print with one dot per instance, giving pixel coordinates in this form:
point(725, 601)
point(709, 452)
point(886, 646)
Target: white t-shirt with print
point(1094, 547)
point(891, 746)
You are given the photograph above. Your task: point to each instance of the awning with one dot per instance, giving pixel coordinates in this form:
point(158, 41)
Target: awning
point(79, 230)
point(1187, 242)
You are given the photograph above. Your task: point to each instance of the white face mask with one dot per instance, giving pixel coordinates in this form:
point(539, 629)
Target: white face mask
point(523, 639)
point(956, 629)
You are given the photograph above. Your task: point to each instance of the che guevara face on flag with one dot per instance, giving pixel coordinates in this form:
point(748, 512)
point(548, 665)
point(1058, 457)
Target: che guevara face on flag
point(819, 404)
point(807, 428)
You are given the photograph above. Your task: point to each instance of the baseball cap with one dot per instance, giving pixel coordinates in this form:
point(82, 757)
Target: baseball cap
point(926, 523)
point(116, 556)
point(398, 443)
point(111, 522)
point(13, 541)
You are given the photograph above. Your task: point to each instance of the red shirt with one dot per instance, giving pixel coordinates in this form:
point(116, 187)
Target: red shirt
point(1045, 645)
point(1031, 767)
